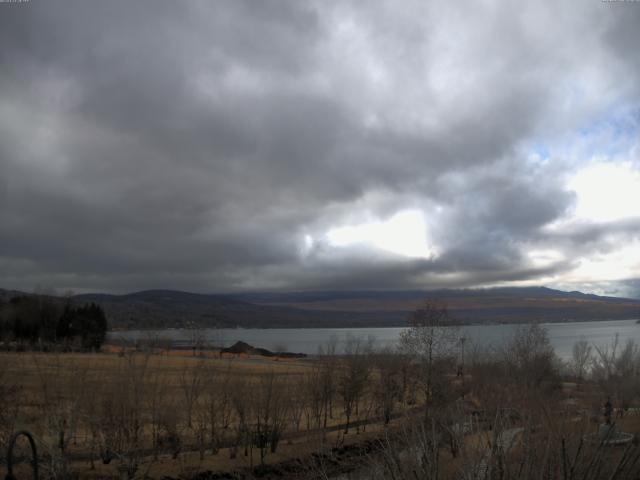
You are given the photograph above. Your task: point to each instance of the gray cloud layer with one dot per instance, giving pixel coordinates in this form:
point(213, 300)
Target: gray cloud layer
point(196, 145)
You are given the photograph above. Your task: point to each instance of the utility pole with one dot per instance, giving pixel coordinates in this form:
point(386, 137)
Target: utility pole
point(462, 342)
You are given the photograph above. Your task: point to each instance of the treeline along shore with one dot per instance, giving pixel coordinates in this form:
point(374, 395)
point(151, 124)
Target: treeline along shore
point(44, 323)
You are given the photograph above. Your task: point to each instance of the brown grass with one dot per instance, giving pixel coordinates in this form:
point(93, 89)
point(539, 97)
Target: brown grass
point(44, 380)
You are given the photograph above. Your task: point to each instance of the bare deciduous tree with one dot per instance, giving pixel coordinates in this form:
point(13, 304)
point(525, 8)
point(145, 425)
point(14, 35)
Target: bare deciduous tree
point(430, 339)
point(62, 390)
point(387, 389)
point(327, 364)
point(617, 370)
point(191, 385)
point(9, 404)
point(582, 356)
point(353, 376)
point(529, 355)
point(269, 413)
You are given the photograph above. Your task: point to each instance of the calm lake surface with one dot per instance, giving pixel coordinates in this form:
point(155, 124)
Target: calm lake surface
point(308, 340)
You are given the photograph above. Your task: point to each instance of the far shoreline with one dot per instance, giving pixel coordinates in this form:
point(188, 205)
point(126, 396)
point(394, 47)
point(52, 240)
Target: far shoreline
point(350, 327)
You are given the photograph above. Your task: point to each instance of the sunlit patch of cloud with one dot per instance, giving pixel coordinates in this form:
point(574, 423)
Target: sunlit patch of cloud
point(607, 192)
point(404, 234)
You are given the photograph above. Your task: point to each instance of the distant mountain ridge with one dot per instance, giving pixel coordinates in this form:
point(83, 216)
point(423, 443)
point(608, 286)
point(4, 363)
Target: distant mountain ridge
point(311, 296)
point(366, 308)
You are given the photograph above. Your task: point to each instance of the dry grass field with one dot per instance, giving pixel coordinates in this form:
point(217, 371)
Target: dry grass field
point(160, 413)
point(173, 412)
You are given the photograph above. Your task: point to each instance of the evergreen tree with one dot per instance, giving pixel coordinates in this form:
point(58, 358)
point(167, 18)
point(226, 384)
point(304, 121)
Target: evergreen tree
point(35, 319)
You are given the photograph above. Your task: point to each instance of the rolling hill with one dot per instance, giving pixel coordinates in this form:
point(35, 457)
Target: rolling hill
point(168, 308)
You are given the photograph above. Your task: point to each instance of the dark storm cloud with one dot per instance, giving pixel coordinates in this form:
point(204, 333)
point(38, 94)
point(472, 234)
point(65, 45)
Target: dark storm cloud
point(199, 145)
point(600, 236)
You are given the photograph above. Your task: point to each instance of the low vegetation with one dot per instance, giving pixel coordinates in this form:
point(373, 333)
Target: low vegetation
point(438, 407)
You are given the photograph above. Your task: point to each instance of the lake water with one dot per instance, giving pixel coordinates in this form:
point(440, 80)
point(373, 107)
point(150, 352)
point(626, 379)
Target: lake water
point(308, 340)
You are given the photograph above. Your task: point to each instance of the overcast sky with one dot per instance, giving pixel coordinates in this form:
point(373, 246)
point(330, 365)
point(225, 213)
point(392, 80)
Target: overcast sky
point(219, 146)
